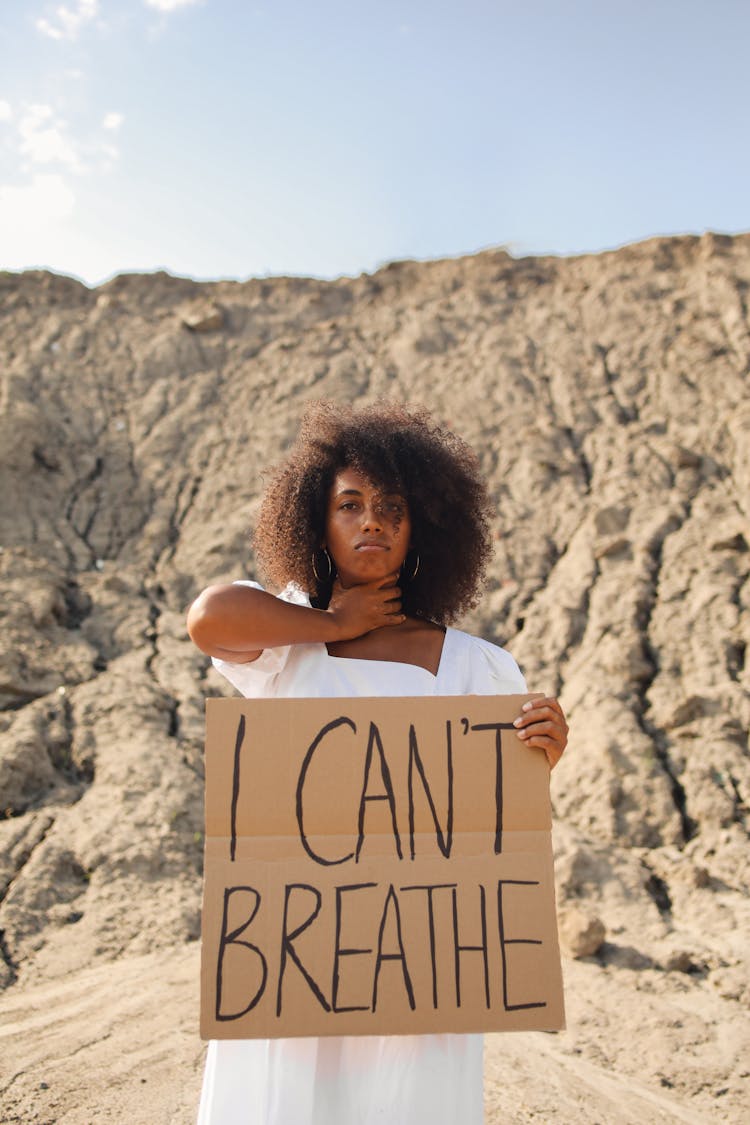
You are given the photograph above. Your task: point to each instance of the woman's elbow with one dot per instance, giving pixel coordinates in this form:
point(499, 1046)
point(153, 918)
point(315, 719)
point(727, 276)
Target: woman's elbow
point(202, 619)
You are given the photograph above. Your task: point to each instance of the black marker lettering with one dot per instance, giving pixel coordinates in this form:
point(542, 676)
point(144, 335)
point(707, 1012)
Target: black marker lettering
point(400, 956)
point(301, 784)
point(236, 785)
point(430, 887)
point(233, 938)
point(339, 952)
point(287, 946)
point(459, 949)
point(444, 840)
point(513, 941)
point(374, 739)
point(498, 729)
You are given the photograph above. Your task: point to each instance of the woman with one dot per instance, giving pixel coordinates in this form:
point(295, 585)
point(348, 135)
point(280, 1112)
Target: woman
point(384, 519)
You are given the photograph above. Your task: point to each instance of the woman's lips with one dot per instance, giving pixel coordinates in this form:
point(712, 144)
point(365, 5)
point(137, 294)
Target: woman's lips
point(371, 547)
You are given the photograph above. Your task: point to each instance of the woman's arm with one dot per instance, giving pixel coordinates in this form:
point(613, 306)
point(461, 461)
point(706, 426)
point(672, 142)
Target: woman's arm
point(237, 622)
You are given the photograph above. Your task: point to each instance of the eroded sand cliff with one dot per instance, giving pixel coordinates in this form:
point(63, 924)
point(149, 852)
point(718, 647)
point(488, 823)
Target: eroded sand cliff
point(608, 399)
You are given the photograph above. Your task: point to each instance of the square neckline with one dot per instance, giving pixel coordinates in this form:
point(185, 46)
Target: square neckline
point(400, 663)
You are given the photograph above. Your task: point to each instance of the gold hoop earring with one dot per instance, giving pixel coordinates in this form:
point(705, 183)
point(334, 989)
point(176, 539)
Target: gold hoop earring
point(329, 563)
point(413, 575)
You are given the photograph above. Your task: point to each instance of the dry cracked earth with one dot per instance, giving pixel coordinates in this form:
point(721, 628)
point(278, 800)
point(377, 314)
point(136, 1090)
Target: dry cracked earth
point(607, 397)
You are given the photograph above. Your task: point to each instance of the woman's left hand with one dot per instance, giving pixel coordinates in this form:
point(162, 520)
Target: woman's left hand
point(542, 724)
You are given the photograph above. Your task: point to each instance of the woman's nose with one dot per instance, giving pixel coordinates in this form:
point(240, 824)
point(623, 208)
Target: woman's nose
point(371, 517)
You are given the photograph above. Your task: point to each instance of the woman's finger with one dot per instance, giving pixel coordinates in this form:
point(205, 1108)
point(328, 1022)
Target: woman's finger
point(542, 726)
point(552, 749)
point(533, 706)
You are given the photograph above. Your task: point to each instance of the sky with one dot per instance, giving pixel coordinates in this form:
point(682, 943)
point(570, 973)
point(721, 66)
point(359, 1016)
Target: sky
point(227, 138)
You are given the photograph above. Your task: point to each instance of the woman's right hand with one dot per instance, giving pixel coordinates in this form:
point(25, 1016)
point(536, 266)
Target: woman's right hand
point(360, 609)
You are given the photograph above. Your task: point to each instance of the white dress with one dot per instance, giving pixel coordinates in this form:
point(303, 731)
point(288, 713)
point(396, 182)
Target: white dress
point(355, 1080)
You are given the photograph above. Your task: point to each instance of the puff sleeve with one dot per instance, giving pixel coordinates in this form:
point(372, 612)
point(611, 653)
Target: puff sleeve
point(256, 678)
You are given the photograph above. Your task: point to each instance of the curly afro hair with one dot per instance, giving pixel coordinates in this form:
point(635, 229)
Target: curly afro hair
point(402, 451)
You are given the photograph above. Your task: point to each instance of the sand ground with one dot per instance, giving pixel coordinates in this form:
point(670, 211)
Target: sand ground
point(120, 1043)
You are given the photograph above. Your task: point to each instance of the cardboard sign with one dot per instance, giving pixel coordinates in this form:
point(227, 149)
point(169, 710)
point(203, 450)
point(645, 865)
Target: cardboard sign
point(376, 866)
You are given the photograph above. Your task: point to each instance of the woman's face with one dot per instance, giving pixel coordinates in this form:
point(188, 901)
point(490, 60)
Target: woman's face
point(367, 530)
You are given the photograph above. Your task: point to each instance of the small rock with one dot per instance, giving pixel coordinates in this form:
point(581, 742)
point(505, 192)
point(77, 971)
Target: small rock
point(680, 962)
point(701, 877)
point(686, 458)
point(206, 318)
point(582, 934)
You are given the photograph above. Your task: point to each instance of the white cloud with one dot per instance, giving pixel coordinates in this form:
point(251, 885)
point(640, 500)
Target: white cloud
point(37, 113)
point(43, 140)
point(68, 21)
point(169, 5)
point(38, 225)
point(42, 203)
point(110, 154)
point(5, 111)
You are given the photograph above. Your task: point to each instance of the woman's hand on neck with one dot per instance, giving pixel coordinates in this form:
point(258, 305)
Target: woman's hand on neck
point(360, 608)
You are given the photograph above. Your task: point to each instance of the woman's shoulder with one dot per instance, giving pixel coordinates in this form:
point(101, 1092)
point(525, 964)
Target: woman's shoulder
point(258, 678)
point(291, 592)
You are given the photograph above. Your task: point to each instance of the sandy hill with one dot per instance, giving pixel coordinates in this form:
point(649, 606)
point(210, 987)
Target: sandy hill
point(608, 399)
